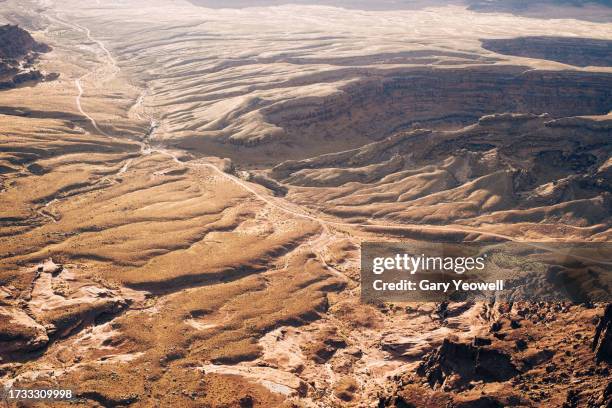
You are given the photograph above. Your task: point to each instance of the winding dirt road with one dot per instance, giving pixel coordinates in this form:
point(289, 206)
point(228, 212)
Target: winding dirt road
point(284, 206)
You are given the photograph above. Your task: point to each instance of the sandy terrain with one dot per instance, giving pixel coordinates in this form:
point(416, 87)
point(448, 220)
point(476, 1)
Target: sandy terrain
point(183, 207)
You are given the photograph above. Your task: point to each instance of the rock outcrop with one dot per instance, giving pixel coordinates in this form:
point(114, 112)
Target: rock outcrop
point(460, 363)
point(16, 43)
point(602, 342)
point(19, 332)
point(508, 168)
point(59, 303)
point(592, 10)
point(581, 52)
point(382, 104)
point(18, 55)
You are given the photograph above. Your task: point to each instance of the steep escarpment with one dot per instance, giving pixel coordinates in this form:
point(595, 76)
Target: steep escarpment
point(508, 168)
point(372, 104)
point(17, 43)
point(581, 52)
point(378, 105)
point(593, 10)
point(18, 55)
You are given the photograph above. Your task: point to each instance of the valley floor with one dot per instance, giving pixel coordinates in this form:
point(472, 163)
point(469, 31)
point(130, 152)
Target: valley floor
point(182, 208)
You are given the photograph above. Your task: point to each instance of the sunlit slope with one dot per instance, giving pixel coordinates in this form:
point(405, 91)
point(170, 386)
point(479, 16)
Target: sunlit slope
point(203, 181)
point(294, 81)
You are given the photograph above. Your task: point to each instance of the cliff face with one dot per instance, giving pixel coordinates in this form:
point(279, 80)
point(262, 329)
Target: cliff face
point(508, 168)
point(16, 43)
point(581, 52)
point(378, 106)
point(18, 55)
point(525, 4)
point(593, 10)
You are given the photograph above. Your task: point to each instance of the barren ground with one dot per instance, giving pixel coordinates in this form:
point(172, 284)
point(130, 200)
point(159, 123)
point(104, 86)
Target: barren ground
point(182, 209)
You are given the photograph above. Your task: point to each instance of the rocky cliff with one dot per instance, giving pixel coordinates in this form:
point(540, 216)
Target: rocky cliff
point(580, 52)
point(379, 104)
point(507, 168)
point(19, 53)
point(16, 43)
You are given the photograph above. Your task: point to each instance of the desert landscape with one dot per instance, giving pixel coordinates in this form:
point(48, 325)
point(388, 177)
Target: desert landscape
point(186, 187)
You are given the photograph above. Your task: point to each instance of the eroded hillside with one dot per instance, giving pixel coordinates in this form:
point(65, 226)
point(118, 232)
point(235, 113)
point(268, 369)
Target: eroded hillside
point(183, 208)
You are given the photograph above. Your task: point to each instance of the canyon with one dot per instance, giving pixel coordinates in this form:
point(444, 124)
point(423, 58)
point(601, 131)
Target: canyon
point(184, 201)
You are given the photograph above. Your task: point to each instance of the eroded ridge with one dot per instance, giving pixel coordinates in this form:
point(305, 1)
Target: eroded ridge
point(183, 207)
